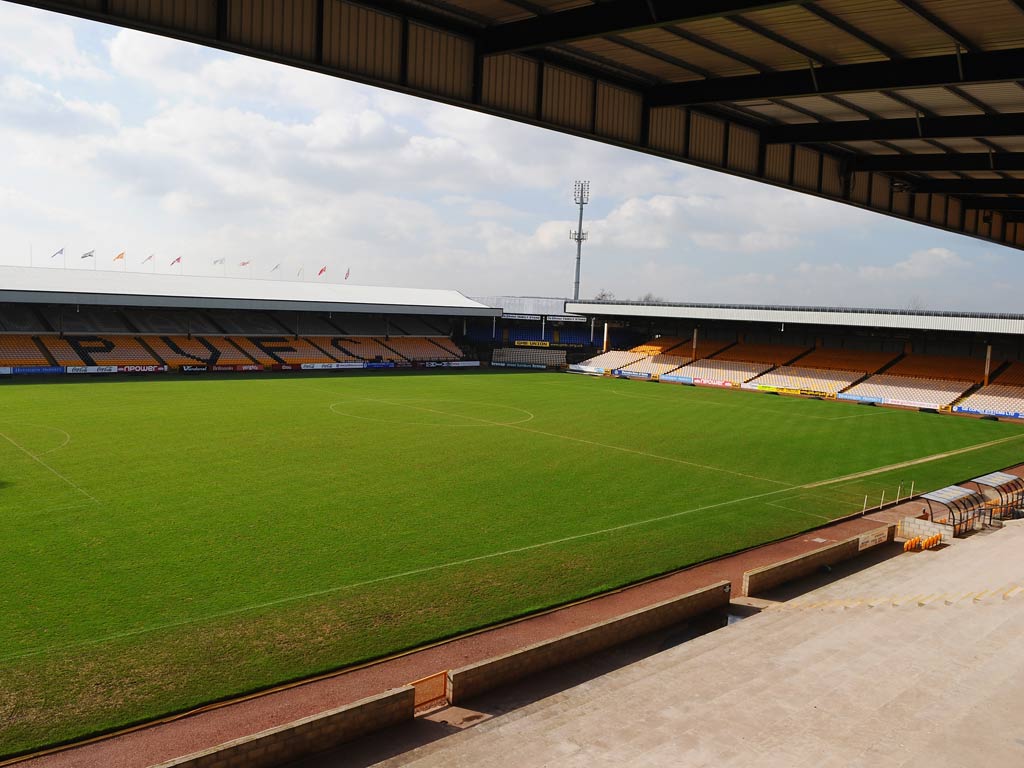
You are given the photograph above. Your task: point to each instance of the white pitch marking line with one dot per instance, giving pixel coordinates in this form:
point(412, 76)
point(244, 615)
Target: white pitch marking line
point(590, 442)
point(798, 511)
point(42, 463)
point(430, 568)
point(914, 462)
point(390, 577)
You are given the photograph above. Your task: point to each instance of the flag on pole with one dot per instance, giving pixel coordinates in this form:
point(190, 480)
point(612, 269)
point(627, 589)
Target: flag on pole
point(275, 268)
point(89, 255)
point(348, 272)
point(176, 261)
point(149, 258)
point(58, 253)
point(302, 269)
point(119, 257)
point(219, 261)
point(244, 263)
point(322, 270)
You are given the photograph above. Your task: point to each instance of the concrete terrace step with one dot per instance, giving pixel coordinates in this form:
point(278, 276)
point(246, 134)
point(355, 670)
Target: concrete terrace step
point(891, 680)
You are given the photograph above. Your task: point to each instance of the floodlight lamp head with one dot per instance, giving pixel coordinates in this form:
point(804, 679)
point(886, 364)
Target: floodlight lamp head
point(581, 192)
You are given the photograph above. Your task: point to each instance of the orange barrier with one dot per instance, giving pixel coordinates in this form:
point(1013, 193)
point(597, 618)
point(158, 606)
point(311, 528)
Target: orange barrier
point(431, 691)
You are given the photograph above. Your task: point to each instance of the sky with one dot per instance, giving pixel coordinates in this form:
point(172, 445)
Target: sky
point(115, 140)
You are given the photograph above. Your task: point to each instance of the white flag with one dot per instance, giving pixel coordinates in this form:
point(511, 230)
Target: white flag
point(89, 255)
point(58, 253)
point(219, 261)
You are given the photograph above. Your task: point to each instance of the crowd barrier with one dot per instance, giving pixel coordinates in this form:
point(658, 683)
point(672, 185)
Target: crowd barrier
point(758, 580)
point(889, 401)
point(474, 679)
point(534, 366)
point(984, 412)
point(630, 374)
point(308, 736)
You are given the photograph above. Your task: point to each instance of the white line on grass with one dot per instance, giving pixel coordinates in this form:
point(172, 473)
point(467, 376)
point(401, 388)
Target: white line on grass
point(581, 440)
point(389, 577)
point(798, 511)
point(35, 458)
point(914, 462)
point(478, 558)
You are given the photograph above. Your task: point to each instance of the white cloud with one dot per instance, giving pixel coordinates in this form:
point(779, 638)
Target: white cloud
point(47, 49)
point(160, 146)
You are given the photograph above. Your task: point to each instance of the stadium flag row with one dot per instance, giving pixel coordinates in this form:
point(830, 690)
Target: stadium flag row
point(43, 370)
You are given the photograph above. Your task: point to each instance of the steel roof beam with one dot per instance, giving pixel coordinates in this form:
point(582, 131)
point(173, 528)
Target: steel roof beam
point(969, 186)
point(974, 161)
point(930, 71)
point(607, 18)
point(906, 128)
point(975, 203)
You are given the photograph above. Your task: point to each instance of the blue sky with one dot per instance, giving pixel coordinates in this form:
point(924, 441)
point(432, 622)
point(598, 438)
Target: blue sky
point(120, 141)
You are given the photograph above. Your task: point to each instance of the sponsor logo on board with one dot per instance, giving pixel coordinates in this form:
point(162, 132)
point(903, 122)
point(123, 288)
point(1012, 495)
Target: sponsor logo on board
point(525, 343)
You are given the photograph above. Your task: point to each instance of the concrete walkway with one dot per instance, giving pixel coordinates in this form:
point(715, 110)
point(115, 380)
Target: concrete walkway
point(915, 662)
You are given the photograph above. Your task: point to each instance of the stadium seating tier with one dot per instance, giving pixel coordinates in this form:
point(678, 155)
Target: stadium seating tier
point(890, 388)
point(808, 379)
point(996, 399)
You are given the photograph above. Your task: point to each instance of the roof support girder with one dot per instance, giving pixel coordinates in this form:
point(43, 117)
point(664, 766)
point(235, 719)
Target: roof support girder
point(907, 128)
point(615, 16)
point(969, 186)
point(979, 203)
point(874, 76)
point(973, 161)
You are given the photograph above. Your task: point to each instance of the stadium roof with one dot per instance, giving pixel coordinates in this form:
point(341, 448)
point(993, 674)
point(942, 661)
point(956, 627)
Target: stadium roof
point(530, 306)
point(77, 286)
point(967, 322)
point(913, 108)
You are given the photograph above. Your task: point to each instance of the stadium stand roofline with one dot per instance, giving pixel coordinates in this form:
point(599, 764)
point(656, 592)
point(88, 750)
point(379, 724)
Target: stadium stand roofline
point(921, 320)
point(912, 108)
point(79, 286)
point(527, 305)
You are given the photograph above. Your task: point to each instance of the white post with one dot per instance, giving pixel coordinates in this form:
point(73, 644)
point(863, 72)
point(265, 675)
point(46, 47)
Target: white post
point(592, 319)
point(898, 489)
point(865, 509)
point(882, 502)
point(604, 348)
point(988, 362)
point(912, 488)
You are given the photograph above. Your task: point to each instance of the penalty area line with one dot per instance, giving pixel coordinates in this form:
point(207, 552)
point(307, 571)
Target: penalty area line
point(46, 466)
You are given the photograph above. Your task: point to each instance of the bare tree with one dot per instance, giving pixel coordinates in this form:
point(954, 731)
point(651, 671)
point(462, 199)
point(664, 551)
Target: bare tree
point(604, 295)
point(650, 298)
point(915, 304)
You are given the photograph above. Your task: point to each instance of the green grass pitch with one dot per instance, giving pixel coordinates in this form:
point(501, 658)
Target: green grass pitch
point(168, 542)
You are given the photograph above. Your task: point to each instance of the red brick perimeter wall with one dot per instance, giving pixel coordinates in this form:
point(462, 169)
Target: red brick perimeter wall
point(766, 577)
point(472, 680)
point(306, 737)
